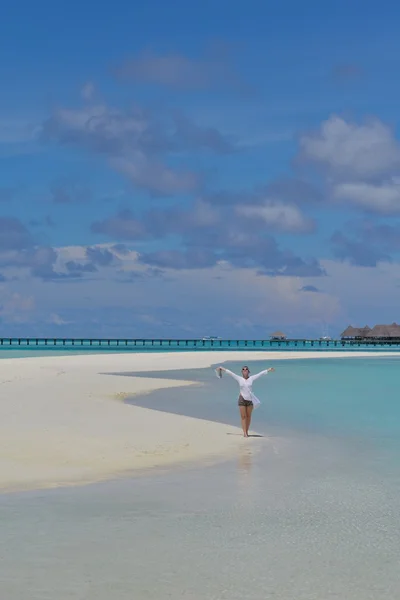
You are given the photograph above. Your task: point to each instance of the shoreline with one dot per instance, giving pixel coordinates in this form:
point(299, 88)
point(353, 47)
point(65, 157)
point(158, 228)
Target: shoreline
point(63, 420)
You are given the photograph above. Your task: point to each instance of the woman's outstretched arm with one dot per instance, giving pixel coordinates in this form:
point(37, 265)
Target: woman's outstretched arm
point(230, 373)
point(257, 375)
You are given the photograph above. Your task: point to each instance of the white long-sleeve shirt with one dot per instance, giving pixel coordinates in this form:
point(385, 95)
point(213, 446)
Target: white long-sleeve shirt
point(246, 385)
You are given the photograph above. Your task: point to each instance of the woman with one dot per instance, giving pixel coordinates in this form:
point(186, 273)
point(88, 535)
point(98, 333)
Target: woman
point(247, 400)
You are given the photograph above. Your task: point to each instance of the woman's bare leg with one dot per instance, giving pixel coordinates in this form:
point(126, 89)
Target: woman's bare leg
point(248, 418)
point(243, 418)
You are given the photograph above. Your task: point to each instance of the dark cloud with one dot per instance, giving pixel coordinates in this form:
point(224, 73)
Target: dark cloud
point(196, 258)
point(40, 260)
point(157, 224)
point(19, 249)
point(297, 267)
point(14, 235)
point(72, 269)
point(209, 217)
point(108, 131)
point(292, 191)
point(136, 143)
point(358, 250)
point(207, 233)
point(383, 234)
point(155, 177)
point(309, 288)
point(285, 264)
point(283, 206)
point(95, 258)
point(123, 226)
point(76, 269)
point(120, 249)
point(366, 242)
point(101, 257)
point(150, 273)
point(194, 137)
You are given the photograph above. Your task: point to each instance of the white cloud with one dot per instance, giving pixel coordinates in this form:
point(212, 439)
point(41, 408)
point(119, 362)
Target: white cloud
point(221, 296)
point(233, 301)
point(383, 198)
point(154, 175)
point(362, 162)
point(284, 217)
point(96, 122)
point(350, 150)
point(133, 142)
point(57, 320)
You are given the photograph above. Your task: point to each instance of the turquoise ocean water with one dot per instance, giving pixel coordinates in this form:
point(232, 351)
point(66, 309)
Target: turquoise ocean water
point(333, 396)
point(308, 511)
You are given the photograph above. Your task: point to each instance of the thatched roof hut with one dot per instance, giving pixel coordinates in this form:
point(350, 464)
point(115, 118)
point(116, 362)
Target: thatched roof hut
point(385, 331)
point(349, 332)
point(355, 332)
point(278, 335)
point(377, 332)
point(363, 331)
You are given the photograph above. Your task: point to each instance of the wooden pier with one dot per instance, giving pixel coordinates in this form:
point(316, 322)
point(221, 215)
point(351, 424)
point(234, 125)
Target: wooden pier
point(192, 344)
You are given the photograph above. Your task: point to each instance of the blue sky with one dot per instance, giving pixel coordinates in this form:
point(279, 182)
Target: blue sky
point(228, 168)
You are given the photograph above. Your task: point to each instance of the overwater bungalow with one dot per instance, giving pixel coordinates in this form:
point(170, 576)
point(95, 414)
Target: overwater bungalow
point(381, 332)
point(278, 335)
point(355, 333)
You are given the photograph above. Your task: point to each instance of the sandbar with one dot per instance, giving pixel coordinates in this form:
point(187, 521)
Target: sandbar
point(63, 420)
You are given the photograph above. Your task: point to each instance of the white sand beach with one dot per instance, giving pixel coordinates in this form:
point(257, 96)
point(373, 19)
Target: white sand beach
point(63, 420)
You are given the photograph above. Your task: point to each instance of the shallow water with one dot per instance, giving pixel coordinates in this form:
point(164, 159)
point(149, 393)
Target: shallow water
point(309, 513)
point(351, 397)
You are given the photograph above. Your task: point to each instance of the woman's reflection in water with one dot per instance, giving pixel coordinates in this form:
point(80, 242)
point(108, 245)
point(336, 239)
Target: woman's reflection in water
point(244, 472)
